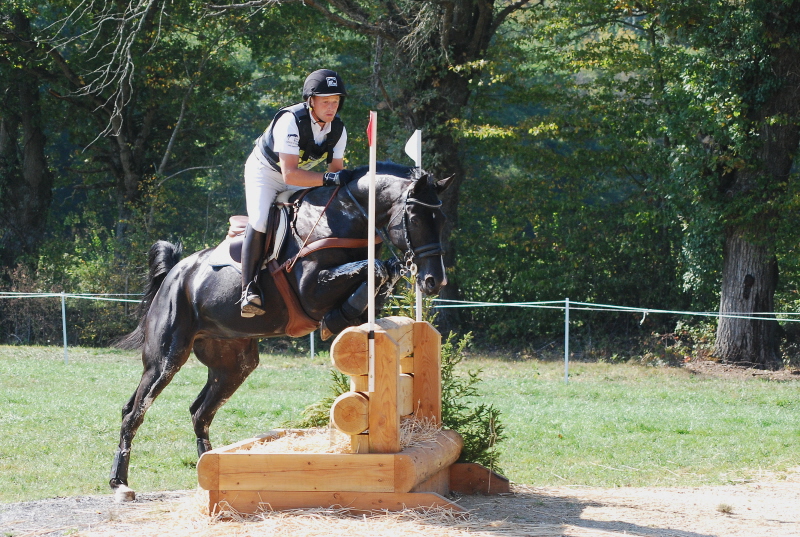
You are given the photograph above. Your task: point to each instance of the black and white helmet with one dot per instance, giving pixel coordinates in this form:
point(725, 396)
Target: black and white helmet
point(322, 83)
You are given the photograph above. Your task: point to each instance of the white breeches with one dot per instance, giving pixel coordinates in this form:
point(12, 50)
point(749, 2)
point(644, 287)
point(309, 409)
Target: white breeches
point(262, 185)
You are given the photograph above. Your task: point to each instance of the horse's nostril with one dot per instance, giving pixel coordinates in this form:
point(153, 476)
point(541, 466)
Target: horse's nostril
point(430, 284)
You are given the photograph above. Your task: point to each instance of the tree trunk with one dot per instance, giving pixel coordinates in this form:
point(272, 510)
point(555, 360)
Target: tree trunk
point(750, 268)
point(749, 279)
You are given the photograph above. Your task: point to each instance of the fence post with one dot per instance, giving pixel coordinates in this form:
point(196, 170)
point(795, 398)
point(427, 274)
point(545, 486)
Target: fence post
point(566, 340)
point(64, 326)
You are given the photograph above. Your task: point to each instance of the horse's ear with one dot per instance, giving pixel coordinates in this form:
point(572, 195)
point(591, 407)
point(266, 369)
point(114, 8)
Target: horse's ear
point(421, 183)
point(442, 185)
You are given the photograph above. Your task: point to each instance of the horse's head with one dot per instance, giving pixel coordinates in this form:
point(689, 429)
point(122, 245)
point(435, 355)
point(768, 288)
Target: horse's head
point(415, 227)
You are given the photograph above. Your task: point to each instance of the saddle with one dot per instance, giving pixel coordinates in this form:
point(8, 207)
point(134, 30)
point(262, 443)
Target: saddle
point(229, 252)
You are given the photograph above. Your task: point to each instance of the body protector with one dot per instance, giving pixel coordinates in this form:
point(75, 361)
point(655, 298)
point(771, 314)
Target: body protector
point(310, 152)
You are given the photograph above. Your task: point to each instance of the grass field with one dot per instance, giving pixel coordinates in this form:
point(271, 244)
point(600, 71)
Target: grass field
point(611, 425)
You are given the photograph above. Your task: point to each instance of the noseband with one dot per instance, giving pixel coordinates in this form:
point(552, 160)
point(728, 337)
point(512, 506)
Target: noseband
point(411, 254)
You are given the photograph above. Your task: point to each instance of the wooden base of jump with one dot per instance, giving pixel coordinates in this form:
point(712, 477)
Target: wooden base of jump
point(417, 477)
point(403, 380)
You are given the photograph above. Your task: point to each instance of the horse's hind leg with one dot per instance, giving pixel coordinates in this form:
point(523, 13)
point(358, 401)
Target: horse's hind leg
point(158, 372)
point(229, 362)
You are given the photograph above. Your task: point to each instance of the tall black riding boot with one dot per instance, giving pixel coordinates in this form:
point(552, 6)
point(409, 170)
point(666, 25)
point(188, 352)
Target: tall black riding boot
point(252, 256)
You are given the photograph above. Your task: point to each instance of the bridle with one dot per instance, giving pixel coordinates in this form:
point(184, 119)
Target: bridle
point(411, 254)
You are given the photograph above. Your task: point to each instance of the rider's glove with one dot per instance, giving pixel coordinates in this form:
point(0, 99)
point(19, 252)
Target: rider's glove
point(331, 179)
point(336, 178)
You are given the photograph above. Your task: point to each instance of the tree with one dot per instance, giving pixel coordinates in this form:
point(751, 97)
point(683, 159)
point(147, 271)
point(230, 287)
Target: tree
point(720, 82)
point(145, 94)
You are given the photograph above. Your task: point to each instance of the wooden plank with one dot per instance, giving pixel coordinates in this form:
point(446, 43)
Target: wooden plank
point(350, 413)
point(251, 502)
point(384, 415)
point(438, 483)
point(306, 472)
point(246, 444)
point(416, 464)
point(359, 443)
point(405, 395)
point(472, 478)
point(427, 373)
point(359, 383)
point(407, 365)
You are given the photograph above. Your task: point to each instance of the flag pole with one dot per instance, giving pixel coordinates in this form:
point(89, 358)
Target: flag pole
point(372, 138)
point(414, 150)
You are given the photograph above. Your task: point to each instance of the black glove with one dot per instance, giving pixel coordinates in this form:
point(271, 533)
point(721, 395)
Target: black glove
point(342, 177)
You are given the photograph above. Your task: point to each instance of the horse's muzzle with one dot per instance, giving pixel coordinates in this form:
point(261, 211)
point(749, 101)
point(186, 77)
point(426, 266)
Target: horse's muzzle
point(430, 285)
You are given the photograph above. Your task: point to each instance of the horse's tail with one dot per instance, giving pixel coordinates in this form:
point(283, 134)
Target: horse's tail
point(161, 258)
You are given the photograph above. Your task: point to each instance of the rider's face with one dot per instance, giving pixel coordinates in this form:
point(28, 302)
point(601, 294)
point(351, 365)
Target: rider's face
point(325, 107)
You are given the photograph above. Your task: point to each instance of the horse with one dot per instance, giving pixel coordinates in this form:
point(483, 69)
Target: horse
point(191, 305)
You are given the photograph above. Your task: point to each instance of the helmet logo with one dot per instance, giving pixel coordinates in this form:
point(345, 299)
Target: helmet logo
point(331, 80)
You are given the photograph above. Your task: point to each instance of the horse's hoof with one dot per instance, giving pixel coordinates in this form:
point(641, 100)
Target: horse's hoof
point(124, 494)
point(324, 333)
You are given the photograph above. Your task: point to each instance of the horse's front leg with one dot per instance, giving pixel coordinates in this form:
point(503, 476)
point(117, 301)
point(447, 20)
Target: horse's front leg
point(351, 311)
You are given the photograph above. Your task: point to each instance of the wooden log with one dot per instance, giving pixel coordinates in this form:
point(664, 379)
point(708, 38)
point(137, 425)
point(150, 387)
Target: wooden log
point(350, 351)
point(414, 465)
point(405, 395)
point(384, 415)
point(427, 373)
point(350, 413)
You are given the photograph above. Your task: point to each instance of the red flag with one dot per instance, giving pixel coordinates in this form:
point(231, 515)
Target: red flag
point(371, 126)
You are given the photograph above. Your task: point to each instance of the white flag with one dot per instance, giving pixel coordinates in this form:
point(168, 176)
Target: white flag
point(414, 147)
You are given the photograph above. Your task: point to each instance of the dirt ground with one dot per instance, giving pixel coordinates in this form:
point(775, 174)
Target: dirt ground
point(769, 507)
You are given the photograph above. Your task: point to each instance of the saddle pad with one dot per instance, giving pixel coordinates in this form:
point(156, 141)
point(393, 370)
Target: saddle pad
point(229, 252)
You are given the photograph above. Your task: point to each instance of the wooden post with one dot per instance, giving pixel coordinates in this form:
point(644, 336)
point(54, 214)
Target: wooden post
point(427, 373)
point(384, 414)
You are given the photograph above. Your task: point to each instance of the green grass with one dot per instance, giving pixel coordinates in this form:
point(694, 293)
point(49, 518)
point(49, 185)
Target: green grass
point(629, 425)
point(612, 425)
point(59, 423)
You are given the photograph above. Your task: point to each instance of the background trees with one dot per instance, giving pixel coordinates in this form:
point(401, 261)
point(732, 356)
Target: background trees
point(627, 153)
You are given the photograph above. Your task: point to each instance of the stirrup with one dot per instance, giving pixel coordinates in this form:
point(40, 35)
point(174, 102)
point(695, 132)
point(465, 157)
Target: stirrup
point(251, 302)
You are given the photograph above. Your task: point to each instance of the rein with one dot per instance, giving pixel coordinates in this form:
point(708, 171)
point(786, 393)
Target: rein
point(328, 242)
point(290, 266)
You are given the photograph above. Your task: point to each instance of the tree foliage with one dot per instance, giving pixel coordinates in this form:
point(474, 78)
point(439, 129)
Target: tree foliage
point(615, 152)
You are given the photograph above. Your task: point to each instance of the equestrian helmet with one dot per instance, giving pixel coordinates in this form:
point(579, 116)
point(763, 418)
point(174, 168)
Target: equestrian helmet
point(322, 83)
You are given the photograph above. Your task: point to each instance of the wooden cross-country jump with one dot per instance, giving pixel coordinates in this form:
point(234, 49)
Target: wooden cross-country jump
point(376, 474)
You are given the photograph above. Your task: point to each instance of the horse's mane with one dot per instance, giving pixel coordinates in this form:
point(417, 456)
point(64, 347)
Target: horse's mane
point(389, 168)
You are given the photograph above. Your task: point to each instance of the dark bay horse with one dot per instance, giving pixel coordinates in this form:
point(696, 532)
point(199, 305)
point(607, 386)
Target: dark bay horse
point(190, 305)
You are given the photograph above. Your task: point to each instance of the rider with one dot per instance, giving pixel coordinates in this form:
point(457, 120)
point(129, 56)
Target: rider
point(298, 138)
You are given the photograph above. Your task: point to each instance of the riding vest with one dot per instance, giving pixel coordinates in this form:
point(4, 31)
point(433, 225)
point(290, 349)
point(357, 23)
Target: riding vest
point(309, 150)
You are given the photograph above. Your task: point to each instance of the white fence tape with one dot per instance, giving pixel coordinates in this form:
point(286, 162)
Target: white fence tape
point(440, 303)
